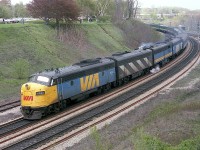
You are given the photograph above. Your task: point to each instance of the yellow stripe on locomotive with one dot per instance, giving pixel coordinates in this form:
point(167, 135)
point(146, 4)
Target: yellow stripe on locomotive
point(89, 82)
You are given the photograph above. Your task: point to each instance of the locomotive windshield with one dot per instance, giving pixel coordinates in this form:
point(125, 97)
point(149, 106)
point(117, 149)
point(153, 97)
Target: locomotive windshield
point(40, 79)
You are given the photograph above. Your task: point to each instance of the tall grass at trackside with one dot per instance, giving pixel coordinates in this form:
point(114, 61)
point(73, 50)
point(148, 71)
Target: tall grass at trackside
point(143, 141)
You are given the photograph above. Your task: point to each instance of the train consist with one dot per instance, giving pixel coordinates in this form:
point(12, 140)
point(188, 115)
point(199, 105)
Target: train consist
point(52, 90)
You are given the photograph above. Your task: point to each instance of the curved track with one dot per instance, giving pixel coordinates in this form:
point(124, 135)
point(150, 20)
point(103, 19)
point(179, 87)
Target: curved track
point(67, 126)
point(20, 124)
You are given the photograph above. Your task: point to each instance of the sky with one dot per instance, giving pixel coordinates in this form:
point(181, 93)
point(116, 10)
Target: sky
point(190, 4)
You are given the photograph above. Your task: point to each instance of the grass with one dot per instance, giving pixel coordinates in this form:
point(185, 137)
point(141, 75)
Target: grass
point(194, 74)
point(107, 44)
point(175, 121)
point(143, 141)
point(38, 46)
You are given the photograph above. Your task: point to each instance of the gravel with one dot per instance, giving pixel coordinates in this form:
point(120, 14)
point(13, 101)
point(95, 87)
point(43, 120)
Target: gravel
point(10, 115)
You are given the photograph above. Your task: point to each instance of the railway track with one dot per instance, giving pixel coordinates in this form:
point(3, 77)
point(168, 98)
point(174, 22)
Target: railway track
point(74, 122)
point(10, 105)
point(100, 98)
point(17, 125)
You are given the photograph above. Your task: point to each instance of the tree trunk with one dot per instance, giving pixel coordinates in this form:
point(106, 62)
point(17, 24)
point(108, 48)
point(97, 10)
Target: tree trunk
point(118, 10)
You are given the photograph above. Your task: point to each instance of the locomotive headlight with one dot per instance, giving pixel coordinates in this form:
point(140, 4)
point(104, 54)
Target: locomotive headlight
point(40, 93)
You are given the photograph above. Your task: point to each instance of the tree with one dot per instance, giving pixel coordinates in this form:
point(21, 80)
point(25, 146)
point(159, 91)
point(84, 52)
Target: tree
point(54, 9)
point(102, 6)
point(20, 10)
point(5, 2)
point(132, 7)
point(118, 10)
point(5, 11)
point(87, 7)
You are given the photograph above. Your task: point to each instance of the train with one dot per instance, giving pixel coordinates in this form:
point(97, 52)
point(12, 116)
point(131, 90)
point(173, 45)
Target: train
point(54, 89)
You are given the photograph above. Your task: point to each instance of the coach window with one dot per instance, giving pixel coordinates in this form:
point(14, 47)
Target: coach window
point(103, 73)
point(72, 83)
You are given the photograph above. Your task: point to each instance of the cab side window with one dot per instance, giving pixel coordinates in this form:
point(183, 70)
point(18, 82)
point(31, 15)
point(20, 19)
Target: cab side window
point(54, 82)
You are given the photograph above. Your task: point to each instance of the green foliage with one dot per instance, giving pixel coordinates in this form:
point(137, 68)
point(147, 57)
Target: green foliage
point(20, 68)
point(142, 141)
point(5, 12)
point(87, 6)
point(99, 144)
point(38, 44)
point(20, 10)
point(191, 144)
point(163, 110)
point(104, 19)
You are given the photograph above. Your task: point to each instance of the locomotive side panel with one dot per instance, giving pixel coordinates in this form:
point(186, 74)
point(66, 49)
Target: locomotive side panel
point(162, 53)
point(86, 79)
point(177, 45)
point(133, 63)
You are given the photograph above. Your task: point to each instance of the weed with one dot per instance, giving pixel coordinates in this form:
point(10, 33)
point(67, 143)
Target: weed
point(99, 144)
point(142, 141)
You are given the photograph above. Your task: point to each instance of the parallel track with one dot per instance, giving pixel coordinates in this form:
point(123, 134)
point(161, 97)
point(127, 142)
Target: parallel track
point(20, 124)
point(10, 105)
point(67, 126)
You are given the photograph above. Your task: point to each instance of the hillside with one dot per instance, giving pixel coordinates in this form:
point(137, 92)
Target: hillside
point(29, 48)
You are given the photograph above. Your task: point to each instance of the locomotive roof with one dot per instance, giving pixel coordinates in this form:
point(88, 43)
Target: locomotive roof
point(133, 53)
point(81, 66)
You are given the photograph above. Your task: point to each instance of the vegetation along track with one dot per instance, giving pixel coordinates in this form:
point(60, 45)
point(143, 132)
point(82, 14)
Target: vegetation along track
point(60, 129)
point(19, 126)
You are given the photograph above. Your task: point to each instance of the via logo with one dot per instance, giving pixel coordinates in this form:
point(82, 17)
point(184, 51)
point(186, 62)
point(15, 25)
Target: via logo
point(89, 82)
point(28, 98)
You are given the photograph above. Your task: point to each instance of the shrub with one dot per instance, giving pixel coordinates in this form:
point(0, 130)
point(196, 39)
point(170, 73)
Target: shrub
point(104, 18)
point(20, 68)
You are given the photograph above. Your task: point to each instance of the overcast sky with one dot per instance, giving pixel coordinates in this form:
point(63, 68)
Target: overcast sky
point(190, 4)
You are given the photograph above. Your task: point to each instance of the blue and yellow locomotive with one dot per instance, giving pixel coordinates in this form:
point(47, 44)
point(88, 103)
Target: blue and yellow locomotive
point(52, 90)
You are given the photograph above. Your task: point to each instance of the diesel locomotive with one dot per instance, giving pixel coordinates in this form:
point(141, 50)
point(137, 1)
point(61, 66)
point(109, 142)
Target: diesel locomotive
point(52, 90)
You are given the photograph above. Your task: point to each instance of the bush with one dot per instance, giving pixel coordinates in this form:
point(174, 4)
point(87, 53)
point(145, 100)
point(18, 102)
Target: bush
point(104, 18)
point(20, 68)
